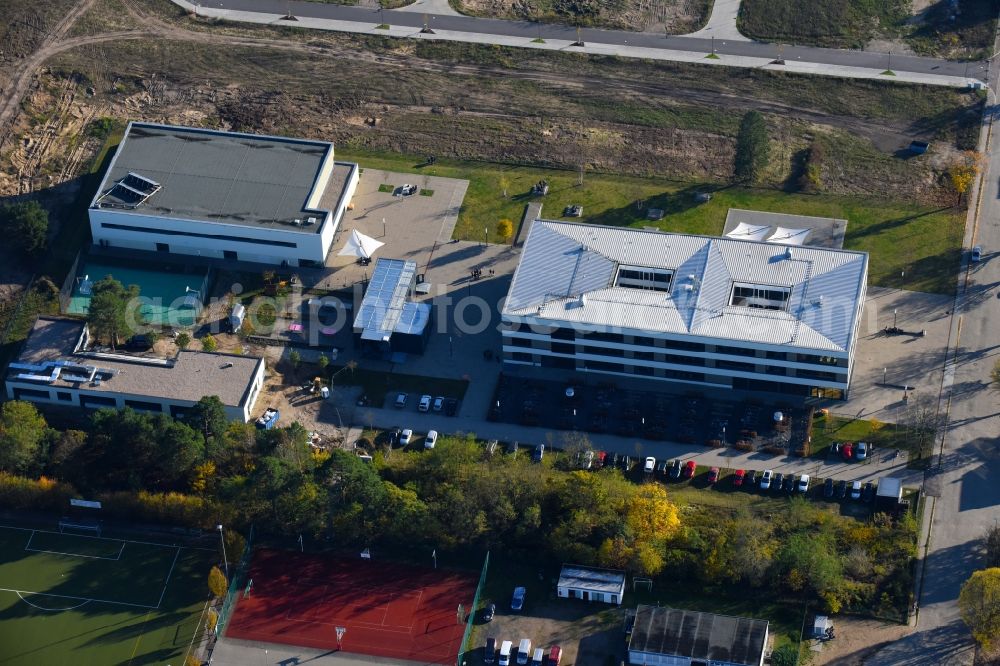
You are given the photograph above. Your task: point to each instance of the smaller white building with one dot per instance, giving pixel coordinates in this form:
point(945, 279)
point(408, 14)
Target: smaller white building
point(56, 368)
point(589, 584)
point(223, 195)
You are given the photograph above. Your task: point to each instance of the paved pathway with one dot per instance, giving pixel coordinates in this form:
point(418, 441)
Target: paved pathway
point(435, 7)
point(654, 46)
point(722, 23)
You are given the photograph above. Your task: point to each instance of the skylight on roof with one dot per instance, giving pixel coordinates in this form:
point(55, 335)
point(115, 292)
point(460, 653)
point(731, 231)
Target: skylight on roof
point(765, 297)
point(642, 277)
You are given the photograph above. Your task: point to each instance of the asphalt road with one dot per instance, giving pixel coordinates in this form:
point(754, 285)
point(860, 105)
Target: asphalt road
point(965, 485)
point(531, 30)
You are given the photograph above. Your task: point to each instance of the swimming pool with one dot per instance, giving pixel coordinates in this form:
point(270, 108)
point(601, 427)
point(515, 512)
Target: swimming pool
point(167, 298)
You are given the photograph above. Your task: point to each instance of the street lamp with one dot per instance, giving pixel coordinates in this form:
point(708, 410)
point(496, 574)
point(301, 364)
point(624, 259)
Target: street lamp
point(225, 559)
point(894, 318)
point(884, 370)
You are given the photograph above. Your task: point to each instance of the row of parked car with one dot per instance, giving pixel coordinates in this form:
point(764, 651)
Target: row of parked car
point(769, 480)
point(524, 655)
point(428, 403)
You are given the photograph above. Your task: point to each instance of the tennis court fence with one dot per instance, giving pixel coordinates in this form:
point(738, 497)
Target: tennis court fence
point(472, 611)
point(235, 586)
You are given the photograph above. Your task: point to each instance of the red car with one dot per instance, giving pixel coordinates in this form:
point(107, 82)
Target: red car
point(738, 477)
point(689, 469)
point(601, 457)
point(847, 450)
point(713, 475)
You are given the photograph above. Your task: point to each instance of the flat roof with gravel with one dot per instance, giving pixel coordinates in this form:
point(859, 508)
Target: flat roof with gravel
point(227, 177)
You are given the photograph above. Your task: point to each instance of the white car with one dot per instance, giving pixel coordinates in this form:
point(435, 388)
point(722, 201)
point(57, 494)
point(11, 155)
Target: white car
point(407, 189)
point(438, 403)
point(406, 437)
point(431, 439)
point(803, 485)
point(650, 465)
point(977, 253)
point(425, 403)
point(856, 490)
point(765, 479)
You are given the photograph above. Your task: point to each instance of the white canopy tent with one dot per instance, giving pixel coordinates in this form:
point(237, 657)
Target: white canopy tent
point(752, 232)
point(359, 245)
point(789, 236)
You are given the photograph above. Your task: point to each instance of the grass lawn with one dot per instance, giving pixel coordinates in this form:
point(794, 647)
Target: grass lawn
point(884, 436)
point(912, 247)
point(85, 600)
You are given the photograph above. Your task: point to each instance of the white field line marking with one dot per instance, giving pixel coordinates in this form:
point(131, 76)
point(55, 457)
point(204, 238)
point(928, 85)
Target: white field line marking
point(194, 635)
point(67, 596)
point(30, 537)
point(53, 610)
point(89, 557)
point(167, 581)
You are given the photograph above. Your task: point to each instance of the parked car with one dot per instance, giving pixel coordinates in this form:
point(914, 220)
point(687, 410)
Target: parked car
point(505, 649)
point(750, 480)
point(779, 479)
point(841, 491)
point(661, 468)
point(649, 465)
point(713, 475)
point(602, 459)
point(517, 600)
point(555, 655)
point(616, 459)
point(738, 477)
point(431, 439)
point(489, 612)
point(438, 403)
point(828, 488)
point(407, 189)
point(625, 463)
point(856, 490)
point(425, 403)
point(765, 479)
point(450, 406)
point(400, 400)
point(490, 650)
point(675, 469)
point(538, 657)
point(689, 469)
point(587, 460)
point(803, 485)
point(868, 492)
point(538, 453)
point(977, 253)
point(491, 447)
point(524, 651)
point(847, 450)
point(512, 447)
point(406, 437)
point(835, 448)
point(789, 483)
point(861, 451)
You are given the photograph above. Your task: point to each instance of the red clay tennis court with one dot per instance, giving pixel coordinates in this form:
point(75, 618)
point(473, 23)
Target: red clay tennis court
point(388, 609)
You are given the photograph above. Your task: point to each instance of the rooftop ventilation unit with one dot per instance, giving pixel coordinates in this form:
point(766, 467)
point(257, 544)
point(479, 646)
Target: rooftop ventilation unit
point(311, 221)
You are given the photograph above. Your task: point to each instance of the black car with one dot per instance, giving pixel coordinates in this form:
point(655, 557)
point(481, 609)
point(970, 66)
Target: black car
point(675, 469)
point(512, 447)
point(779, 478)
point(841, 491)
point(661, 468)
point(828, 488)
point(538, 453)
point(490, 650)
point(750, 480)
point(625, 463)
point(868, 492)
point(450, 406)
point(789, 483)
point(489, 612)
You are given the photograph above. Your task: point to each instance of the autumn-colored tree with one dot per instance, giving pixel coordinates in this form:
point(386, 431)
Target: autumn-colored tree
point(504, 230)
point(962, 174)
point(650, 514)
point(979, 603)
point(209, 343)
point(217, 583)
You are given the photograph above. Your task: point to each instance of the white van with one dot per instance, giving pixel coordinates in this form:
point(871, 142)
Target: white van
point(524, 651)
point(536, 660)
point(505, 649)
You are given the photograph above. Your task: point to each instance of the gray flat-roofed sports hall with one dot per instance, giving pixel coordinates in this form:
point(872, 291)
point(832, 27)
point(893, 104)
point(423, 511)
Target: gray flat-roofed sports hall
point(197, 174)
point(706, 637)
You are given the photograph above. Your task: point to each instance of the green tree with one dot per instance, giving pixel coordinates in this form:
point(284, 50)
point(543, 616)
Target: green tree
point(296, 358)
point(26, 226)
point(209, 343)
point(786, 655)
point(208, 416)
point(22, 429)
point(323, 362)
point(979, 604)
point(178, 449)
point(113, 310)
point(753, 148)
point(183, 340)
point(217, 583)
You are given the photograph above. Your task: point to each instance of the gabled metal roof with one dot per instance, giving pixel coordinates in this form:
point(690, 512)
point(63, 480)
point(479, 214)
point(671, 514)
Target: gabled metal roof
point(567, 273)
point(696, 635)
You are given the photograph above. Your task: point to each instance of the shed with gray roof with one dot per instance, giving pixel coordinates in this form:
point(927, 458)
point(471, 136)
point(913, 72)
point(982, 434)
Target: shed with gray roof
point(672, 637)
point(590, 584)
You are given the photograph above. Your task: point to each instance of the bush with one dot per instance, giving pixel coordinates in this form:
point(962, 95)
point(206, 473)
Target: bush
point(18, 492)
point(26, 225)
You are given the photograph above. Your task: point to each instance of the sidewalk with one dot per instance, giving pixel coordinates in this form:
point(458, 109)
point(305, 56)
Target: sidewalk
point(793, 65)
